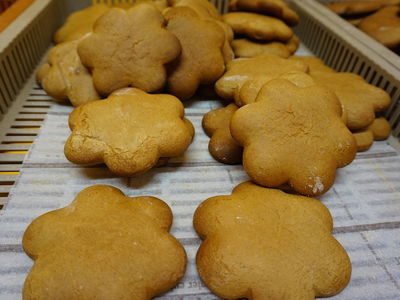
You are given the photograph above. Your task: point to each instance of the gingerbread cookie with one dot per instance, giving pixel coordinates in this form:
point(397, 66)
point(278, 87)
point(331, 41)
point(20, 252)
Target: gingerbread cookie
point(241, 70)
point(66, 77)
point(129, 48)
point(227, 50)
point(293, 135)
point(204, 8)
point(103, 245)
point(314, 64)
point(247, 48)
point(222, 146)
point(258, 27)
point(360, 99)
point(380, 128)
point(276, 8)
point(80, 23)
point(41, 72)
point(201, 60)
point(129, 131)
point(351, 8)
point(384, 26)
point(364, 140)
point(250, 89)
point(263, 244)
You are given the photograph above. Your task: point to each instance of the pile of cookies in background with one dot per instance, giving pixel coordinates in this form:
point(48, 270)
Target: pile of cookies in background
point(292, 122)
point(380, 19)
point(262, 27)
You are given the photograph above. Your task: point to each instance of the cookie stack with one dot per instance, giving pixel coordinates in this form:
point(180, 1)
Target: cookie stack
point(154, 45)
point(252, 123)
point(262, 27)
point(379, 19)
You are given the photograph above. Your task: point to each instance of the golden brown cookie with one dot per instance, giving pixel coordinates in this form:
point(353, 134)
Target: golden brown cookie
point(227, 50)
point(314, 64)
point(66, 77)
point(129, 131)
point(360, 99)
point(350, 8)
point(41, 72)
point(201, 60)
point(380, 128)
point(204, 8)
point(276, 8)
point(129, 48)
point(241, 70)
point(258, 27)
point(263, 244)
point(103, 245)
point(250, 89)
point(293, 135)
point(222, 146)
point(80, 23)
point(247, 48)
point(384, 26)
point(364, 140)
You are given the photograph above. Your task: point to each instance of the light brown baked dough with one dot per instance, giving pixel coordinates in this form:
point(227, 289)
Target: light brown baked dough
point(80, 23)
point(204, 8)
point(41, 72)
point(360, 99)
point(129, 48)
point(103, 245)
point(241, 70)
point(314, 64)
point(364, 140)
point(258, 27)
point(65, 77)
point(293, 135)
point(249, 91)
point(380, 128)
point(263, 244)
point(247, 48)
point(351, 8)
point(129, 131)
point(276, 8)
point(222, 146)
point(384, 26)
point(201, 60)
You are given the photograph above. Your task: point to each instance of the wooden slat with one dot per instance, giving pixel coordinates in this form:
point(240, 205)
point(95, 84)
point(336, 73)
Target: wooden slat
point(8, 178)
point(5, 189)
point(22, 117)
point(22, 131)
point(3, 200)
point(16, 139)
point(10, 167)
point(26, 123)
point(11, 157)
point(11, 147)
point(31, 110)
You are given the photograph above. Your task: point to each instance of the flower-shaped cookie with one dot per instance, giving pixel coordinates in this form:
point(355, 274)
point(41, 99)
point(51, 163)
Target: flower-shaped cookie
point(384, 26)
point(201, 60)
point(293, 135)
point(276, 8)
point(129, 131)
point(222, 146)
point(66, 77)
point(263, 244)
point(80, 23)
point(129, 48)
point(240, 70)
point(360, 99)
point(103, 245)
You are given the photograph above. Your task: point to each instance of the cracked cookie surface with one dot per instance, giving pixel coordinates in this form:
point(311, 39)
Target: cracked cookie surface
point(129, 131)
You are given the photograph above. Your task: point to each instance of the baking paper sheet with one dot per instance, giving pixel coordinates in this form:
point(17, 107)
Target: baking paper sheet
point(364, 202)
